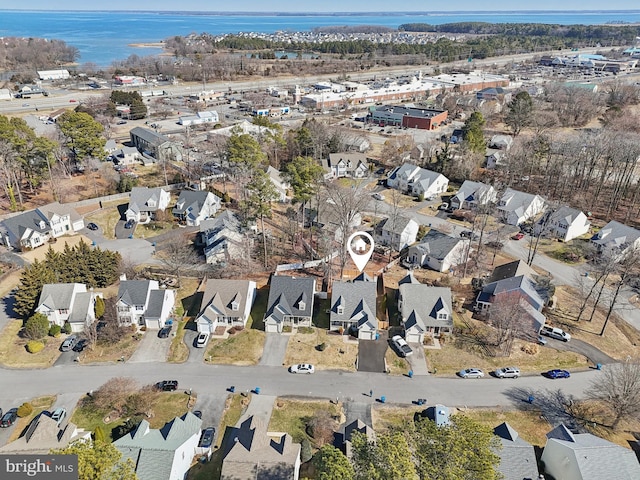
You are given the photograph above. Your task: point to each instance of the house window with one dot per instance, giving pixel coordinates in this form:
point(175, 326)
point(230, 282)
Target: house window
point(63, 311)
point(123, 309)
point(302, 305)
point(235, 306)
point(340, 310)
point(140, 307)
point(443, 316)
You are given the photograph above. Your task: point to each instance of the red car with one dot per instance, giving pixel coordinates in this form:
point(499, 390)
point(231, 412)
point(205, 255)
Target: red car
point(518, 236)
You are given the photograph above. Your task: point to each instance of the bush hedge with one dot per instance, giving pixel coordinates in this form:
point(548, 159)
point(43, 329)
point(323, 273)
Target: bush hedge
point(25, 410)
point(54, 331)
point(35, 346)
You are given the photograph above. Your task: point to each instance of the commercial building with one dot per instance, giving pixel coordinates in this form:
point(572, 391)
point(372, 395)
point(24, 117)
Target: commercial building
point(421, 118)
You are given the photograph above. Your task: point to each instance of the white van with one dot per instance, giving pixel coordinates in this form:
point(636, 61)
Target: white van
point(556, 333)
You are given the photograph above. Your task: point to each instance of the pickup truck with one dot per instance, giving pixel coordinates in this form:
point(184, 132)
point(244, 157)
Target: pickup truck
point(556, 333)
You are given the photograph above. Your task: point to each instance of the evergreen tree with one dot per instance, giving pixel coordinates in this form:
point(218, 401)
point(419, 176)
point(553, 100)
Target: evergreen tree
point(474, 134)
point(84, 135)
point(388, 458)
point(99, 307)
point(262, 192)
point(36, 327)
point(304, 175)
point(519, 112)
point(32, 279)
point(331, 464)
point(99, 461)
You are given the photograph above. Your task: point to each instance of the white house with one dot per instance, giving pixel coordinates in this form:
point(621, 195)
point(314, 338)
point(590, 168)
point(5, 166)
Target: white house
point(144, 303)
point(145, 202)
point(346, 164)
point(353, 307)
point(225, 303)
point(518, 207)
point(566, 223)
point(583, 456)
point(437, 251)
point(616, 237)
point(222, 239)
point(127, 156)
point(282, 186)
point(165, 453)
point(495, 158)
point(290, 302)
point(417, 181)
point(397, 232)
point(471, 194)
point(424, 310)
point(62, 302)
point(194, 207)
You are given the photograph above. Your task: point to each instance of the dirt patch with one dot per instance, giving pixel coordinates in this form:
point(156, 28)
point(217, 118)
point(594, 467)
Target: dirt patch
point(337, 354)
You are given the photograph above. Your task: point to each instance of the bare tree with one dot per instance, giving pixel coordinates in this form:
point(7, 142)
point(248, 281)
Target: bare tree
point(112, 395)
point(618, 389)
point(177, 254)
point(91, 334)
point(506, 315)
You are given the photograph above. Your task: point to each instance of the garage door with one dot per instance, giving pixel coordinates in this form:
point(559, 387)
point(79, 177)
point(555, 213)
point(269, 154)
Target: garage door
point(413, 337)
point(366, 335)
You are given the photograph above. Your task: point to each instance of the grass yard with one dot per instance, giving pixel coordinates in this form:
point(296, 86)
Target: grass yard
point(13, 352)
point(338, 354)
point(256, 317)
point(107, 218)
point(39, 404)
point(111, 352)
point(242, 348)
point(168, 406)
point(153, 228)
point(178, 351)
point(396, 364)
point(388, 417)
point(292, 416)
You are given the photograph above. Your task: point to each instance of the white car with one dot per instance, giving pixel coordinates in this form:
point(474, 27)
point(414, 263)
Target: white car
point(202, 339)
point(378, 196)
point(402, 346)
point(302, 368)
point(58, 415)
point(471, 373)
point(556, 333)
point(507, 372)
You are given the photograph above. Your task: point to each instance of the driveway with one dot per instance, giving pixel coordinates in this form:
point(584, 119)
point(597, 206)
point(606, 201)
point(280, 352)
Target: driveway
point(275, 347)
point(151, 348)
point(137, 250)
point(371, 354)
point(418, 360)
point(122, 232)
point(196, 355)
point(583, 348)
point(212, 408)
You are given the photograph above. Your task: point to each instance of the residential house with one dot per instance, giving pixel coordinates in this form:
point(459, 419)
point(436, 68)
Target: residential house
point(565, 223)
point(424, 310)
point(437, 251)
point(518, 207)
point(510, 270)
point(255, 453)
point(144, 303)
point(34, 228)
point(471, 194)
point(194, 207)
point(225, 303)
point(346, 164)
point(495, 158)
point(617, 238)
point(521, 296)
point(281, 185)
point(331, 222)
point(357, 426)
point(501, 142)
point(222, 238)
point(109, 147)
point(353, 307)
point(517, 456)
point(127, 156)
point(290, 302)
point(418, 181)
point(583, 456)
point(145, 203)
point(68, 302)
point(397, 232)
point(155, 145)
point(165, 453)
point(43, 435)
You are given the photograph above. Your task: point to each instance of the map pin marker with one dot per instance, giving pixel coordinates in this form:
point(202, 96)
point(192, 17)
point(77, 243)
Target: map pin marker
point(359, 249)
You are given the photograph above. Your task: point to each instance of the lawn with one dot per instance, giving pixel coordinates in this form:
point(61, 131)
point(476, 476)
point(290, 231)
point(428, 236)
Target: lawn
point(395, 364)
point(338, 354)
point(153, 229)
point(178, 351)
point(39, 404)
point(167, 406)
point(111, 352)
point(387, 417)
point(256, 317)
point(243, 348)
point(13, 352)
point(292, 416)
point(107, 218)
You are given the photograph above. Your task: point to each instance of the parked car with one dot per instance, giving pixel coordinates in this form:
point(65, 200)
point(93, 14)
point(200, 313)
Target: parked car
point(197, 413)
point(167, 385)
point(122, 122)
point(165, 331)
point(59, 415)
point(518, 236)
point(542, 340)
point(557, 373)
point(207, 437)
point(471, 373)
point(507, 372)
point(556, 333)
point(69, 343)
point(401, 346)
point(202, 339)
point(8, 418)
point(92, 226)
point(378, 196)
point(129, 224)
point(302, 368)
point(80, 346)
point(469, 234)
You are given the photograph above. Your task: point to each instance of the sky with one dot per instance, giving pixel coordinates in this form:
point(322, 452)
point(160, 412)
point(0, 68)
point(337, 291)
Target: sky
point(321, 6)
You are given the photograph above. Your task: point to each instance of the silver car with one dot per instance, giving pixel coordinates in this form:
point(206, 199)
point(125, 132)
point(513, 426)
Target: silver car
point(507, 372)
point(471, 373)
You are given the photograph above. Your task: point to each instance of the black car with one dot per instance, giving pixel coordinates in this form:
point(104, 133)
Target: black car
point(129, 224)
point(9, 418)
point(207, 437)
point(167, 385)
point(92, 226)
point(165, 332)
point(80, 346)
point(197, 413)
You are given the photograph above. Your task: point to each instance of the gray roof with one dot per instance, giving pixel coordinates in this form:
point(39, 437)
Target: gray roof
point(436, 244)
point(517, 456)
point(148, 136)
point(57, 296)
point(254, 455)
point(152, 450)
point(42, 435)
point(56, 208)
point(424, 302)
point(408, 278)
point(358, 300)
point(398, 226)
point(616, 234)
point(474, 192)
point(520, 283)
point(566, 214)
point(192, 202)
point(352, 160)
point(140, 197)
point(415, 173)
point(156, 304)
point(81, 307)
point(225, 219)
point(219, 294)
point(18, 224)
point(285, 295)
point(516, 201)
point(134, 292)
point(595, 457)
point(511, 269)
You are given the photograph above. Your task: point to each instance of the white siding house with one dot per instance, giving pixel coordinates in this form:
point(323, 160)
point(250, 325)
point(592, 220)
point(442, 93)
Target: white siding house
point(398, 232)
point(417, 181)
point(565, 224)
point(437, 251)
point(518, 207)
